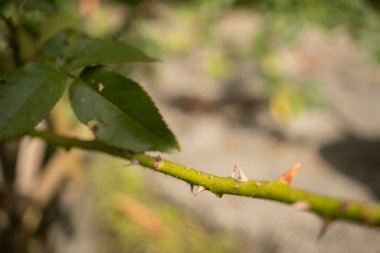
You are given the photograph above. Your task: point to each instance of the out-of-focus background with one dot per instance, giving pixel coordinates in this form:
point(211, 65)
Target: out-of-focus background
point(260, 83)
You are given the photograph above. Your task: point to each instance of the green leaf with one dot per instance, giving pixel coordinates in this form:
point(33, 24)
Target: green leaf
point(119, 112)
point(78, 50)
point(58, 46)
point(27, 95)
point(107, 51)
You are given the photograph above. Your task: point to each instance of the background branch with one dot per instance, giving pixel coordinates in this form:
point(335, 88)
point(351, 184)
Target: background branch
point(13, 36)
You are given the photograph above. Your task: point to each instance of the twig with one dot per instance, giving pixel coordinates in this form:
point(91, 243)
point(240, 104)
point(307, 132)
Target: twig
point(278, 190)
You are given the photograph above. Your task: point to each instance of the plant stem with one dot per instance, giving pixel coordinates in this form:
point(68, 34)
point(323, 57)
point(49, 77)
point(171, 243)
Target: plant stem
point(326, 207)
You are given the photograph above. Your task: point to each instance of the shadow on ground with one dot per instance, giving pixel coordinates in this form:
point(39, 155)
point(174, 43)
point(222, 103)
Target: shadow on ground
point(358, 158)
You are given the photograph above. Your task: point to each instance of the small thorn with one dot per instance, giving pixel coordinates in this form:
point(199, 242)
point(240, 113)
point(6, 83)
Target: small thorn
point(326, 222)
point(238, 174)
point(158, 162)
point(301, 206)
point(288, 176)
point(198, 190)
point(219, 195)
point(191, 188)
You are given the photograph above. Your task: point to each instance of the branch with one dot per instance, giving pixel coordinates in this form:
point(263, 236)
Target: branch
point(327, 208)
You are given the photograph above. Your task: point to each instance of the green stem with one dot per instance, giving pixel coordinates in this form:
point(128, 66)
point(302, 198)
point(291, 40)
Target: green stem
point(326, 207)
point(68, 143)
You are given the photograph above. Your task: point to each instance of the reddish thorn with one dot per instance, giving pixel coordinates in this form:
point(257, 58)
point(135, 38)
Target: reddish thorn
point(288, 176)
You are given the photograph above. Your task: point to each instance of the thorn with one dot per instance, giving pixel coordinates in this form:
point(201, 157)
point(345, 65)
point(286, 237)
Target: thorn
point(158, 162)
point(326, 222)
point(198, 190)
point(191, 188)
point(287, 177)
point(301, 205)
point(219, 195)
point(238, 174)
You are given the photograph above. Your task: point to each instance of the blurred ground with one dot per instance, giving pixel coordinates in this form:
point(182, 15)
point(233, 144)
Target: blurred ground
point(219, 124)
